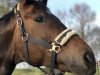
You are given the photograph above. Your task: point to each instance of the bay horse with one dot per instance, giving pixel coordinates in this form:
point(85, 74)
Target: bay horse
point(31, 33)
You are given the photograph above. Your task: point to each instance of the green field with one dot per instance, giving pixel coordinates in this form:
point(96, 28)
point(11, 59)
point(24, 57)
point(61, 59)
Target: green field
point(31, 72)
point(27, 72)
point(35, 72)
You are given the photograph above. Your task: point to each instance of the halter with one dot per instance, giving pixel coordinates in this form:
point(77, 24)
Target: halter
point(54, 48)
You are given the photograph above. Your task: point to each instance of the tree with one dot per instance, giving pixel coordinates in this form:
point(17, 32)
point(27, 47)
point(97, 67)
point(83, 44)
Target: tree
point(61, 15)
point(93, 40)
point(82, 18)
point(82, 15)
point(6, 6)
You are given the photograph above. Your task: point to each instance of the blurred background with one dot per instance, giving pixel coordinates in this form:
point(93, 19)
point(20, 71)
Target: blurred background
point(80, 15)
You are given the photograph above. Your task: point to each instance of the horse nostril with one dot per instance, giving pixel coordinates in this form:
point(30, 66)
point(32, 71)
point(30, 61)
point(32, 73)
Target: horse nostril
point(88, 60)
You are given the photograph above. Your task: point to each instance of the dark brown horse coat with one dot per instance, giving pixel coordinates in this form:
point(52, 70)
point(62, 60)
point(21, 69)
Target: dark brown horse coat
point(75, 56)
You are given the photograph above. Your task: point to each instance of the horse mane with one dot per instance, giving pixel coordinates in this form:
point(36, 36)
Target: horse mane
point(4, 26)
point(6, 19)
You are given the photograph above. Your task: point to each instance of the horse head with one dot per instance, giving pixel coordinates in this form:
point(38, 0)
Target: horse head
point(39, 35)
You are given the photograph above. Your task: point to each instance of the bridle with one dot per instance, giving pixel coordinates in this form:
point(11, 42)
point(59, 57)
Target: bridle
point(55, 47)
point(60, 40)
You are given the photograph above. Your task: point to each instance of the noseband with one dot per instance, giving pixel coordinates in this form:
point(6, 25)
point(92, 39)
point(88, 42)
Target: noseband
point(55, 47)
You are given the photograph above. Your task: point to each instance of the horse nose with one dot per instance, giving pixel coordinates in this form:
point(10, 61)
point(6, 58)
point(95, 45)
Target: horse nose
point(90, 62)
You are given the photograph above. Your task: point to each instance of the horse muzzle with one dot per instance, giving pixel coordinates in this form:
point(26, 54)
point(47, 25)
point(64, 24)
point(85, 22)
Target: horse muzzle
point(86, 68)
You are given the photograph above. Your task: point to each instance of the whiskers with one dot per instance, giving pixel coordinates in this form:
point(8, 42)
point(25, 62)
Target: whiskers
point(76, 70)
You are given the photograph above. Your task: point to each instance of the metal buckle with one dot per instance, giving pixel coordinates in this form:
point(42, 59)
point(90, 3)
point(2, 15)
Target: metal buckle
point(25, 37)
point(55, 48)
point(19, 22)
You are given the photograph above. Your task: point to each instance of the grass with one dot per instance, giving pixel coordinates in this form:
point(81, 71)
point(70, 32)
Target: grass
point(36, 72)
point(30, 72)
point(27, 72)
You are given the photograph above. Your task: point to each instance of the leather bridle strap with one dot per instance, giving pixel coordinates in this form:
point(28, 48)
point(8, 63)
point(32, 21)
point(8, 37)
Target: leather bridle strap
point(23, 33)
point(41, 43)
point(53, 61)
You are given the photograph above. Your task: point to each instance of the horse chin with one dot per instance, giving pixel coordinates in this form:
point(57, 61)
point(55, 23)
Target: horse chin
point(75, 70)
point(79, 71)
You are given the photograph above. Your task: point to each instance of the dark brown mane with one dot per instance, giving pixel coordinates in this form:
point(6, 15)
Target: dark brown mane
point(5, 31)
point(6, 19)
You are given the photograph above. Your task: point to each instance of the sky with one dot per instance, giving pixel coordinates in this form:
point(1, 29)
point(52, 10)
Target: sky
point(67, 4)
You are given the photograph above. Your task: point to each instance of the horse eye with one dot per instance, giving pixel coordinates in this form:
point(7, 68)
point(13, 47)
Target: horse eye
point(40, 19)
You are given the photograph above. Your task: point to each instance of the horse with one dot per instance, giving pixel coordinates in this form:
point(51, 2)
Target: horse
point(31, 33)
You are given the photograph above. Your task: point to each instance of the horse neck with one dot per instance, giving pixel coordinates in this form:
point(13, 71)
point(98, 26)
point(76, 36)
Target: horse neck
point(7, 46)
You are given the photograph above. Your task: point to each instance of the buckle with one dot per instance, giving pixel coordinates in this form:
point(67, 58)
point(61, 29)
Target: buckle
point(25, 37)
point(19, 22)
point(55, 48)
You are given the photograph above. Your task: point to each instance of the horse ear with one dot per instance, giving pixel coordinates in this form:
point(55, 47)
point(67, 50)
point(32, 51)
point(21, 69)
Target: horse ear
point(44, 2)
